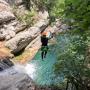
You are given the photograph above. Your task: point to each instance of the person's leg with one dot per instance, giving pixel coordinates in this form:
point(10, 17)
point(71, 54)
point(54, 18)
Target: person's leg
point(42, 55)
point(42, 52)
point(45, 54)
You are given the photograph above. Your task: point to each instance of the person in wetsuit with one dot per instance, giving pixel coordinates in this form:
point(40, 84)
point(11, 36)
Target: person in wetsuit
point(44, 46)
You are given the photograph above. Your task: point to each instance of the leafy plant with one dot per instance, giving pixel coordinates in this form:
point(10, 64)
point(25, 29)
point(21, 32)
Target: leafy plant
point(26, 18)
point(71, 61)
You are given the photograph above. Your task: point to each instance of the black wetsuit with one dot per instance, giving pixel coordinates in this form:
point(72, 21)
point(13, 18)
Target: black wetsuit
point(44, 48)
point(44, 40)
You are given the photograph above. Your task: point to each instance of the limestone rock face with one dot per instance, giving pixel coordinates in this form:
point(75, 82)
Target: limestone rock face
point(6, 16)
point(19, 41)
point(8, 31)
point(22, 39)
point(8, 22)
point(44, 14)
point(5, 12)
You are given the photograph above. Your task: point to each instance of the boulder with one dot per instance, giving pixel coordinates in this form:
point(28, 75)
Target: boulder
point(7, 32)
point(19, 41)
point(1, 37)
point(5, 12)
point(43, 14)
point(64, 27)
point(6, 16)
point(22, 39)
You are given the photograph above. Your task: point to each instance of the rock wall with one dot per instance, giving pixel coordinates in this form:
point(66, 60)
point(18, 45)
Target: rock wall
point(8, 22)
point(21, 40)
point(16, 39)
point(9, 26)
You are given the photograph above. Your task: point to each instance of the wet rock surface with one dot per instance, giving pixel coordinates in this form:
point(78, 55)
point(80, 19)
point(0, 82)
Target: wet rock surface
point(5, 61)
point(16, 78)
point(12, 79)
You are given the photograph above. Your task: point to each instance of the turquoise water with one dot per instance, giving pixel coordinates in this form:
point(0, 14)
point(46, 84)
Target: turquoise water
point(43, 73)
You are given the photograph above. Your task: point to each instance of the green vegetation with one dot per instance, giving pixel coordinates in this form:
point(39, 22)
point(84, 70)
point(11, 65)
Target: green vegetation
point(26, 18)
point(72, 60)
point(73, 57)
point(54, 7)
point(40, 4)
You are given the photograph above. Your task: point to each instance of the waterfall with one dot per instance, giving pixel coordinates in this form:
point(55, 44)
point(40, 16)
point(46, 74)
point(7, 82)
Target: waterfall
point(5, 63)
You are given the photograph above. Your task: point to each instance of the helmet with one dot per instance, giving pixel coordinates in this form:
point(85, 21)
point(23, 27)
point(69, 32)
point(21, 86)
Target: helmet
point(44, 33)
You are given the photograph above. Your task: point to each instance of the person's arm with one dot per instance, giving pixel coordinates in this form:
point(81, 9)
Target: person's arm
point(49, 36)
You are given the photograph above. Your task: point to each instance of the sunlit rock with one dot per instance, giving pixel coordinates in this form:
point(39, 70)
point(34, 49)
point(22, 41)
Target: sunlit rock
point(43, 14)
point(22, 39)
point(5, 12)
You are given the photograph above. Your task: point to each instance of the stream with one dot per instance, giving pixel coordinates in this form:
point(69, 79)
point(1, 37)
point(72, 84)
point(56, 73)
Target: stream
point(42, 71)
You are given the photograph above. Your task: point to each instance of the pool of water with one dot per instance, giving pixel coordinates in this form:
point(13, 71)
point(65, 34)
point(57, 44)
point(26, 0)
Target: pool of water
point(41, 71)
